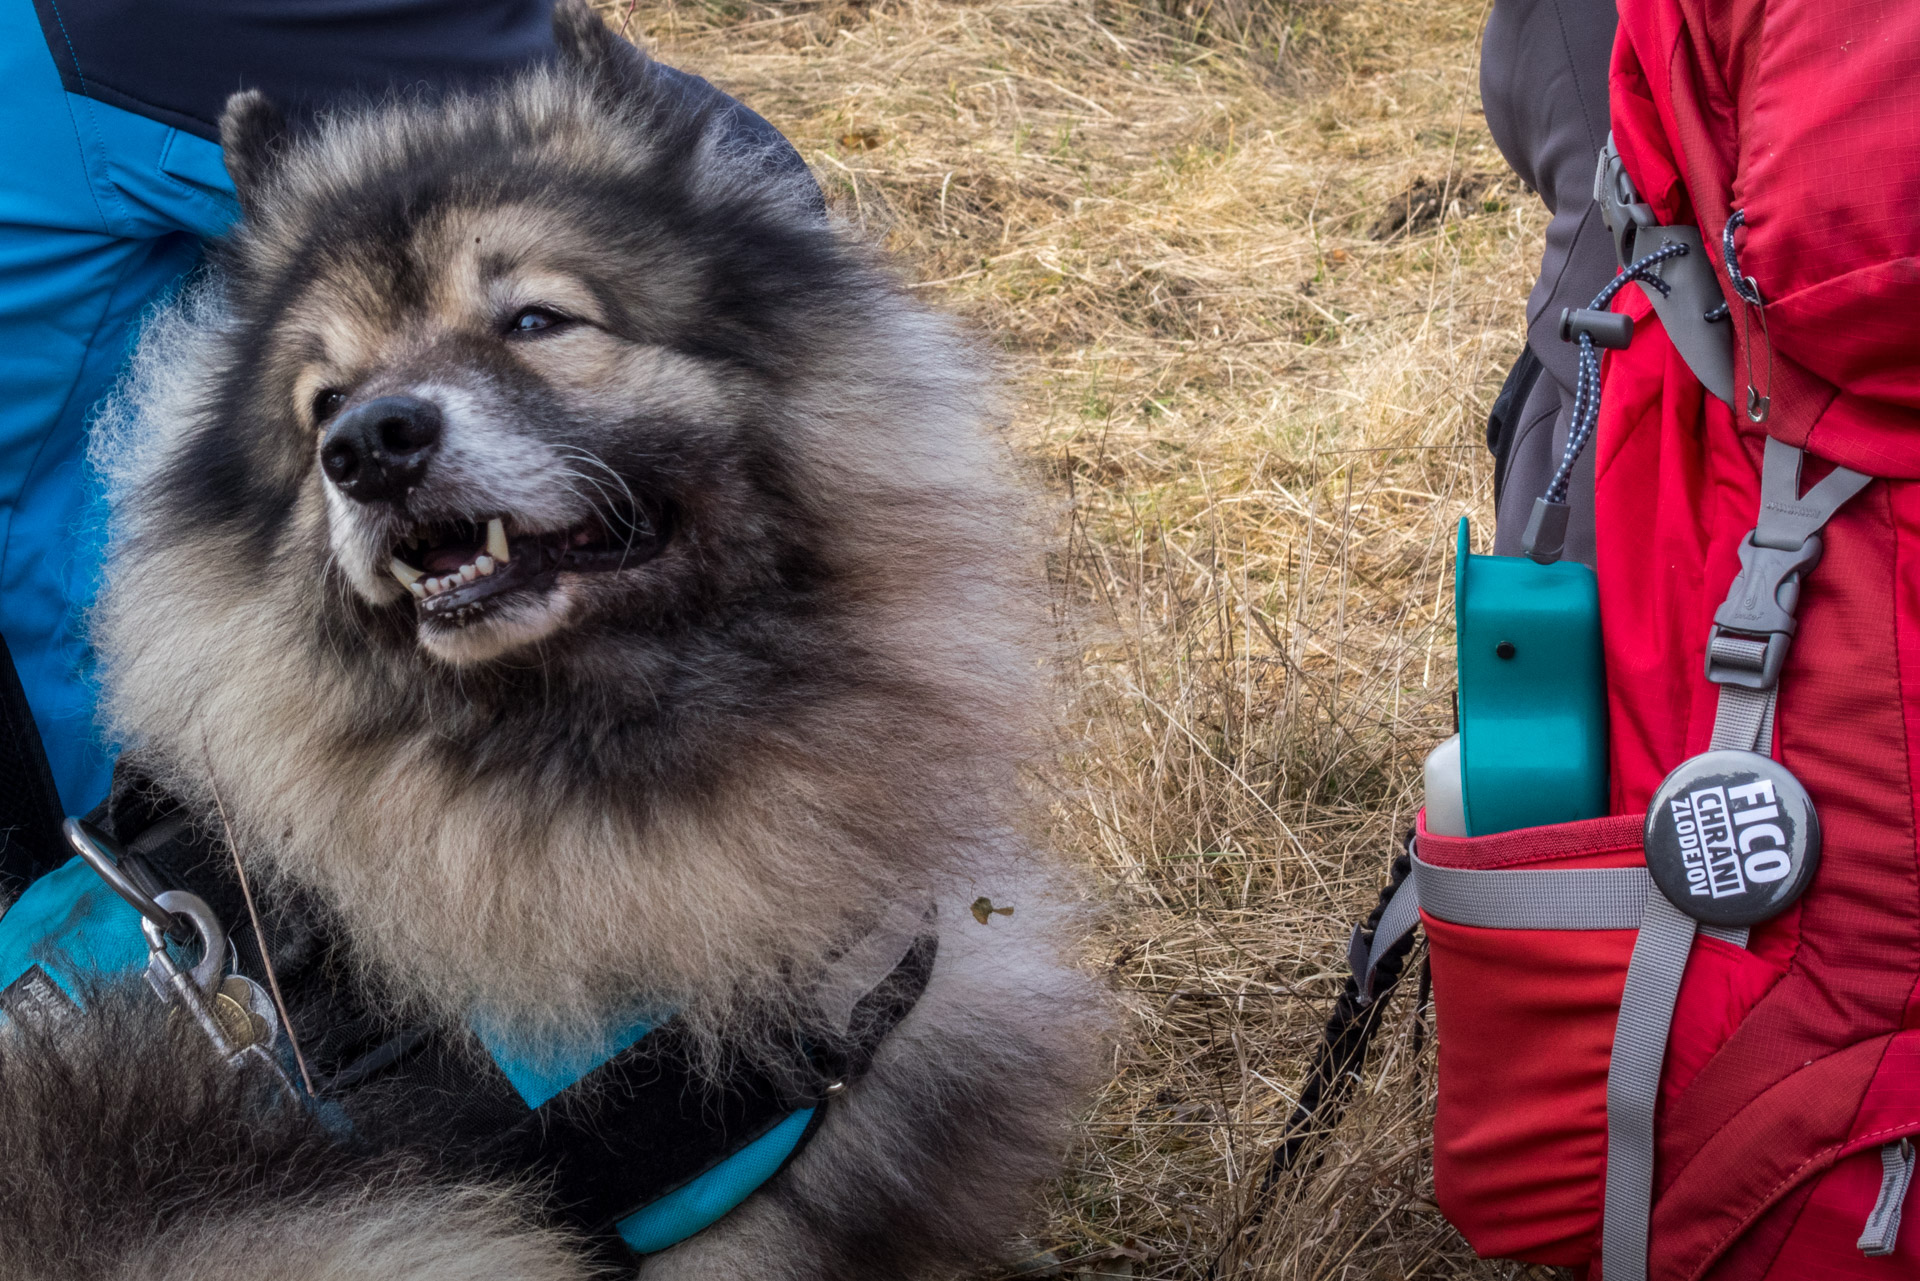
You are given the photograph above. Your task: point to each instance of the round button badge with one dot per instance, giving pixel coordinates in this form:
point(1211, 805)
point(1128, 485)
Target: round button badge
point(1732, 838)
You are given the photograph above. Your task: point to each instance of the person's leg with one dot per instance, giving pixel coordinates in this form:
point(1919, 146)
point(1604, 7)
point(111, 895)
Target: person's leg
point(1543, 83)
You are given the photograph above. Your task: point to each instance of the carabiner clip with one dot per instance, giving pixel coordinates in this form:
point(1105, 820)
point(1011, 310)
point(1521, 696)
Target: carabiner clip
point(104, 854)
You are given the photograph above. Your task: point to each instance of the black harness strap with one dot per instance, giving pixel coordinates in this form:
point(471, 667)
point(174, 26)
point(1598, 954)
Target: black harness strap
point(640, 1126)
point(30, 813)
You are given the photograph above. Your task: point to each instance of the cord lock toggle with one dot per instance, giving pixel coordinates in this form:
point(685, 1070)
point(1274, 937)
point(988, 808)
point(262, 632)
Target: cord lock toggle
point(1607, 328)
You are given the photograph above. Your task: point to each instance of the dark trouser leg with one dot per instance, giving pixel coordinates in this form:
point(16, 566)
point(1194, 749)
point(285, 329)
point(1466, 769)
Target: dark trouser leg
point(1543, 80)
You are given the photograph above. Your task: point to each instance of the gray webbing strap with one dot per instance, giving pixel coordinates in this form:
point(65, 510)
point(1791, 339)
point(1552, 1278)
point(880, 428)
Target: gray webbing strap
point(1745, 652)
point(1882, 1233)
point(1744, 717)
point(1587, 898)
point(1788, 518)
point(1633, 1084)
point(1402, 914)
point(1580, 898)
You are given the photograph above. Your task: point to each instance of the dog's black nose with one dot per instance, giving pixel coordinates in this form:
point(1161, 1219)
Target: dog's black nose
point(376, 452)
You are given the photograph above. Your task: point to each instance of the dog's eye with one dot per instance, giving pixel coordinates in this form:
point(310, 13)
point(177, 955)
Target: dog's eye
point(326, 403)
point(533, 320)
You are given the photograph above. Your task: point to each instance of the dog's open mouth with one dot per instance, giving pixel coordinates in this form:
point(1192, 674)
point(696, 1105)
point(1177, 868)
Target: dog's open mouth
point(457, 570)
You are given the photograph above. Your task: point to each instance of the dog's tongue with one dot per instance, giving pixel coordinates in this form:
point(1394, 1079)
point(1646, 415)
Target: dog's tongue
point(448, 557)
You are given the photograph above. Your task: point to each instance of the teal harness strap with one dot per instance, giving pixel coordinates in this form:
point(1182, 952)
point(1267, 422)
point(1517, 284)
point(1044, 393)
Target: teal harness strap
point(709, 1198)
point(695, 1205)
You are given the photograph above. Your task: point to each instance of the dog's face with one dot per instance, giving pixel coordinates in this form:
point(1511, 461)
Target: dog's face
point(497, 428)
point(521, 368)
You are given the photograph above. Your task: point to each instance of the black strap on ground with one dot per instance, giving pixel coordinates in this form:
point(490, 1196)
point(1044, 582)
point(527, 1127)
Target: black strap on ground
point(1337, 1062)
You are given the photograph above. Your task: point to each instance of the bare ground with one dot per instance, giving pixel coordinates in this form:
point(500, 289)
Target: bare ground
point(1257, 272)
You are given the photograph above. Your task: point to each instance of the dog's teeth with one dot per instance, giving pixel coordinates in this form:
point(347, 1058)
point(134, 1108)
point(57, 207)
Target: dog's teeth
point(406, 573)
point(497, 541)
point(484, 565)
point(469, 573)
point(419, 592)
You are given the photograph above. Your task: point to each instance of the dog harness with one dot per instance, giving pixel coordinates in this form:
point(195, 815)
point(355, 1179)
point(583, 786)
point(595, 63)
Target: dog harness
point(639, 1147)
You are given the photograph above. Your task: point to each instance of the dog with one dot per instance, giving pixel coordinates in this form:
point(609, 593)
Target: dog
point(571, 561)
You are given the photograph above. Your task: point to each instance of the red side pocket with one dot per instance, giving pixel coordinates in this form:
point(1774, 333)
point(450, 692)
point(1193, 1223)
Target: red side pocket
point(1526, 1021)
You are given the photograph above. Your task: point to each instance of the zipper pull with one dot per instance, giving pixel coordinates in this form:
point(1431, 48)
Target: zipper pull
point(1883, 1225)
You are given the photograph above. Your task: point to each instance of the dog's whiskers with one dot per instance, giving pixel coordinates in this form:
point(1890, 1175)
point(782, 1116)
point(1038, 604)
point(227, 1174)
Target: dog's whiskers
point(583, 454)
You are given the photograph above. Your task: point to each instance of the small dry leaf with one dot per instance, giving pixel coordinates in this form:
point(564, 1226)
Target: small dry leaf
point(862, 139)
point(983, 908)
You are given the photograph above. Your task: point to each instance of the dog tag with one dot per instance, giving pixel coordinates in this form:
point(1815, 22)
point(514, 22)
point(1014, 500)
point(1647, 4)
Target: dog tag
point(244, 1012)
point(1732, 838)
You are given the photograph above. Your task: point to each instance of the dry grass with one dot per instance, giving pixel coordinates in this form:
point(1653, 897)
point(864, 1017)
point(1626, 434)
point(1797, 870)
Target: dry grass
point(1258, 271)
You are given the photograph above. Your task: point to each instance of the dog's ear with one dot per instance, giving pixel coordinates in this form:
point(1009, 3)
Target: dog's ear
point(613, 64)
point(253, 133)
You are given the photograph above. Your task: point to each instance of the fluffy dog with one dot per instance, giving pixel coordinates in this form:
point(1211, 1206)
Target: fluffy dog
point(583, 572)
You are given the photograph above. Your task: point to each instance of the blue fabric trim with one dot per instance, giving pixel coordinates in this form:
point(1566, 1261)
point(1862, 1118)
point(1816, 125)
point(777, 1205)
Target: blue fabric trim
point(74, 928)
point(540, 1076)
point(698, 1205)
point(202, 167)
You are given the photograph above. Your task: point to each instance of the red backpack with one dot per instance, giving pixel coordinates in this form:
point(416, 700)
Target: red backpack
point(1619, 1090)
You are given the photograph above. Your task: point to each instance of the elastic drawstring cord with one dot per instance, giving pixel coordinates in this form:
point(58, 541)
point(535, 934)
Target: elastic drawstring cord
point(1745, 286)
point(1586, 395)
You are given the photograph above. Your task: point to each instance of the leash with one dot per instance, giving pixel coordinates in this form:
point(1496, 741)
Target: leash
point(1342, 1053)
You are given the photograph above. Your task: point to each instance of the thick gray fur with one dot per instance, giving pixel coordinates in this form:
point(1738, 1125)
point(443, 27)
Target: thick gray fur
point(129, 1153)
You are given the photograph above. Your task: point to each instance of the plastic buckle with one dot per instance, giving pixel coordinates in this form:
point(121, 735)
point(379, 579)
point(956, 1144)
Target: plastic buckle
point(1621, 208)
point(1760, 605)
